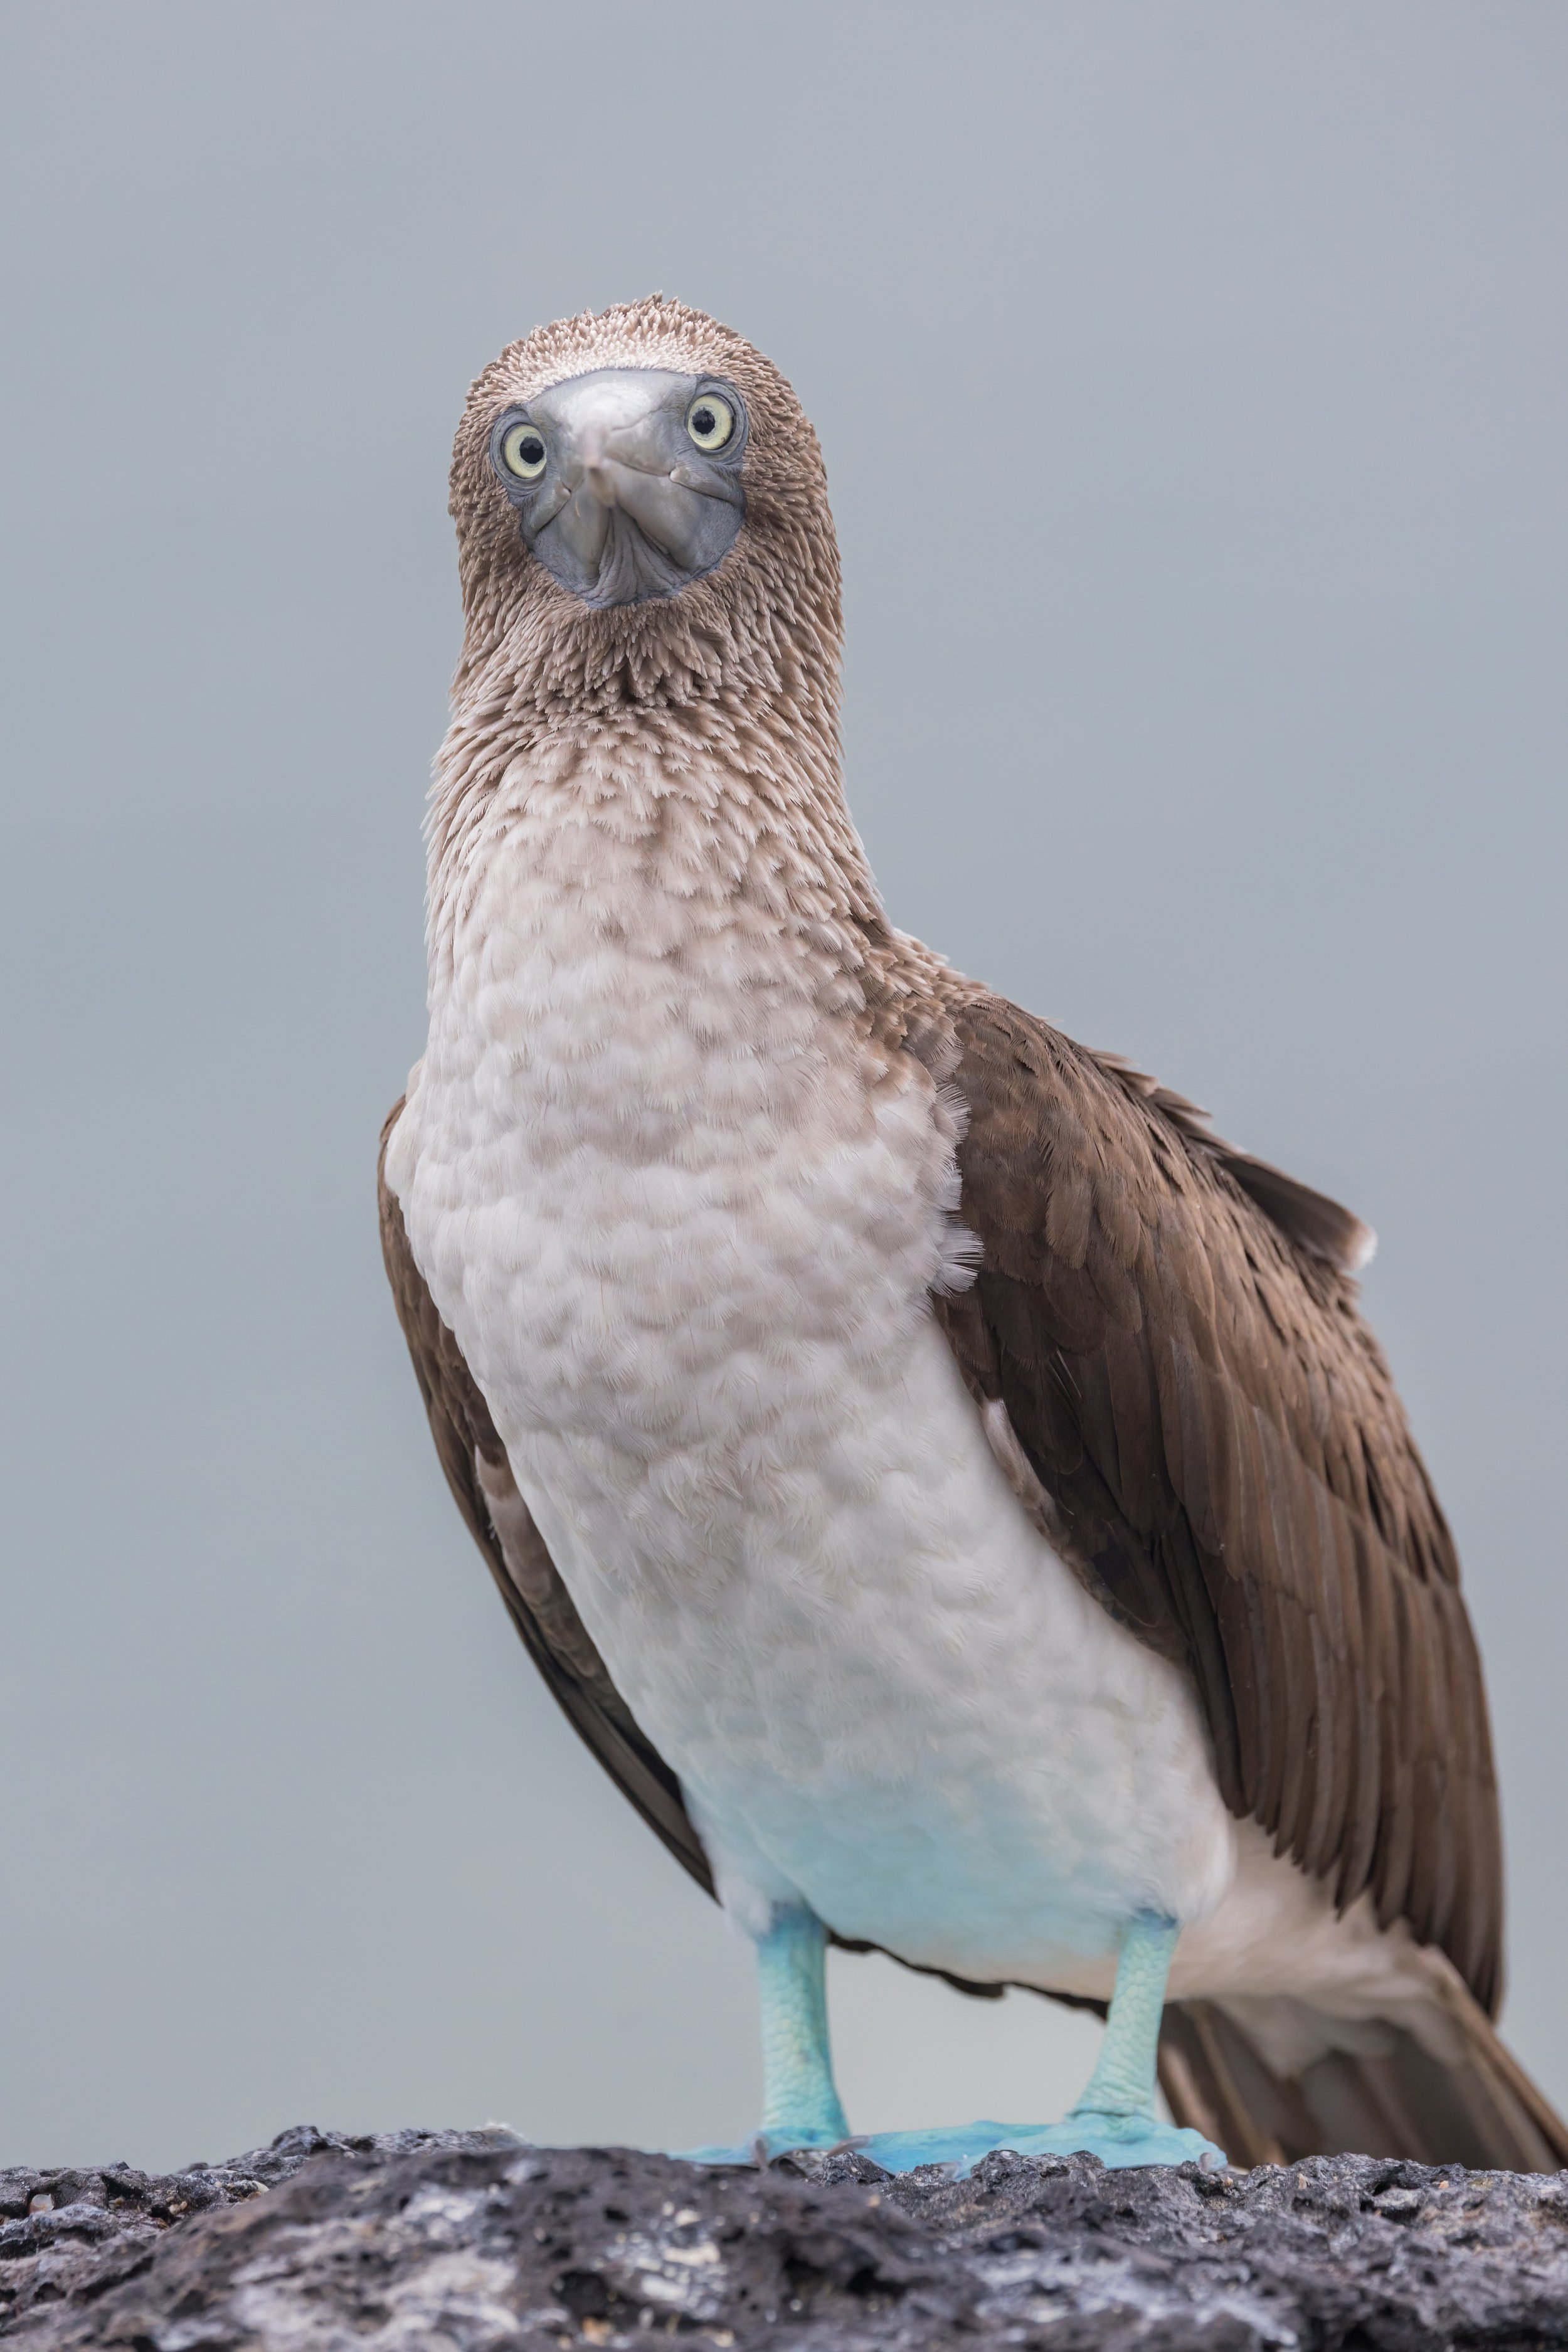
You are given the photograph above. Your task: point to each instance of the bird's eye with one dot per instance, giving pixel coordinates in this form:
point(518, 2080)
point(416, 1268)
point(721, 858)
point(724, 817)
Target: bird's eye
point(710, 421)
point(522, 452)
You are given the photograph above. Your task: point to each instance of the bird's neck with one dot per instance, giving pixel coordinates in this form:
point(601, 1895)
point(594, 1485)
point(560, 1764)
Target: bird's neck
point(721, 791)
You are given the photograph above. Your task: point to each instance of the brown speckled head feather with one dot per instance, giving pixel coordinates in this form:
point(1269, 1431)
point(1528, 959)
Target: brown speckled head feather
point(766, 619)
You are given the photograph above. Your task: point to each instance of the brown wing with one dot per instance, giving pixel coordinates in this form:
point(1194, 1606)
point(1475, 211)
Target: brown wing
point(480, 1476)
point(1224, 1457)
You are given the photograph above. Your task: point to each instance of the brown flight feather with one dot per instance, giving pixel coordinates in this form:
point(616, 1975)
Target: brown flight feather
point(1188, 1375)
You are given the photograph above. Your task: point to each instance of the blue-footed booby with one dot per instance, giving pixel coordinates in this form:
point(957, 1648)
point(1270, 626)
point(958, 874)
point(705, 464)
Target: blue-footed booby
point(952, 1492)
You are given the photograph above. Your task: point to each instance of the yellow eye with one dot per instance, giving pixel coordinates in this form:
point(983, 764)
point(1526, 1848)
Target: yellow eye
point(710, 421)
point(522, 452)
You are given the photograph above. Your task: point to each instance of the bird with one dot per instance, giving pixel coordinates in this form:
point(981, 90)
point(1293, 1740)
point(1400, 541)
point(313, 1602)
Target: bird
point(953, 1491)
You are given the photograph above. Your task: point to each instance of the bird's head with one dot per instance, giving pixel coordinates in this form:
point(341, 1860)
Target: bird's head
point(639, 490)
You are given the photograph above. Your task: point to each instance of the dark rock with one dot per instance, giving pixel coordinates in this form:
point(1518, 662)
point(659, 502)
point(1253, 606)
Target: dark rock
point(468, 2240)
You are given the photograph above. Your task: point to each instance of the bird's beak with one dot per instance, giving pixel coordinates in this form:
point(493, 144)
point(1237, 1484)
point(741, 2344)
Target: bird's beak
point(616, 460)
point(627, 509)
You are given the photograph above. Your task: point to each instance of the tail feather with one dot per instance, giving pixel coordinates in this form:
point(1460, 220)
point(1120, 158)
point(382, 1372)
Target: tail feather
point(1477, 2109)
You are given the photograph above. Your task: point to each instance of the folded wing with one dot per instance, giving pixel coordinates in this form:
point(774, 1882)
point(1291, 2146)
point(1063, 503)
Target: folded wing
point(1172, 1332)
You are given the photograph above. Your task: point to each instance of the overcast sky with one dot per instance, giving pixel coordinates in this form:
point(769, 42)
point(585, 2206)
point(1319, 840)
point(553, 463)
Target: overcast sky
point(1192, 377)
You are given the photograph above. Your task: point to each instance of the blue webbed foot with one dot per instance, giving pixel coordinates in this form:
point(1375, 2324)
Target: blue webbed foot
point(1114, 2120)
point(1119, 2141)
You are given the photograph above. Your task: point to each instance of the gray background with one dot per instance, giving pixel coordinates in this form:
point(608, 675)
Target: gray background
point(1192, 380)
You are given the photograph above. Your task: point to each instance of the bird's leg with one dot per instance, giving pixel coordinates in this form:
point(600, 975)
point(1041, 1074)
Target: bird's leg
point(800, 2102)
point(1115, 2118)
point(1120, 2091)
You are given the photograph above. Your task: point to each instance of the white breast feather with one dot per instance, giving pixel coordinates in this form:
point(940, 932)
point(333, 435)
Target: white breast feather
point(684, 1225)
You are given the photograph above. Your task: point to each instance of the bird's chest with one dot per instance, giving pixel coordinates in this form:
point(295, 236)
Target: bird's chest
point(684, 1223)
point(669, 1201)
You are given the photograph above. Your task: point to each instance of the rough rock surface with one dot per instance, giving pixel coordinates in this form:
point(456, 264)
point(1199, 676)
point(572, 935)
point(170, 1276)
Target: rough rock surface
point(463, 2240)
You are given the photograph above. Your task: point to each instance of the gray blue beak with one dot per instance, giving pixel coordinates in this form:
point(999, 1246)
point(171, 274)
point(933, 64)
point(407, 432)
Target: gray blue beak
point(626, 481)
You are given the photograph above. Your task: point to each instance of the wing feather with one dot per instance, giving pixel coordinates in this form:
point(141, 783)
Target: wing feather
point(1169, 1325)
